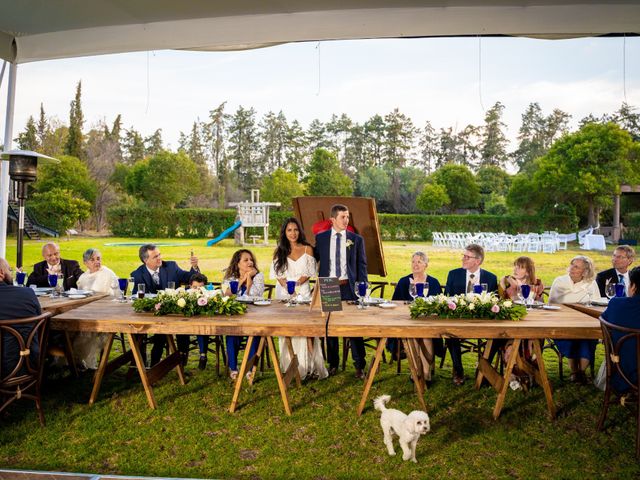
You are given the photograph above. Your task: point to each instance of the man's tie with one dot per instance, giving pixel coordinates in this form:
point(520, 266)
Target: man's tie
point(338, 250)
point(621, 280)
point(470, 284)
point(156, 277)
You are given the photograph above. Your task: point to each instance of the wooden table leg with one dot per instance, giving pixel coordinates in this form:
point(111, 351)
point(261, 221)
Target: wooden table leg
point(294, 358)
point(104, 360)
point(371, 375)
point(243, 369)
point(515, 351)
point(544, 380)
point(487, 353)
point(172, 350)
point(253, 365)
point(148, 390)
point(68, 354)
point(414, 365)
point(284, 392)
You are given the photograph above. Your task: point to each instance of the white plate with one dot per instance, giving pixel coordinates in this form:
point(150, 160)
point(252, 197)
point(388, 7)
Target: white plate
point(387, 305)
point(262, 303)
point(550, 307)
point(601, 302)
point(79, 292)
point(375, 301)
point(76, 296)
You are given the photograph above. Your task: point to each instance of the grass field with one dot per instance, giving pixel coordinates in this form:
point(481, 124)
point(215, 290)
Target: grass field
point(191, 434)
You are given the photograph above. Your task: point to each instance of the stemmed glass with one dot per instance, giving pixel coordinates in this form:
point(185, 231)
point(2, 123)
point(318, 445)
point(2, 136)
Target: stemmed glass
point(20, 278)
point(122, 285)
point(485, 287)
point(525, 292)
point(477, 289)
point(362, 291)
point(132, 282)
point(610, 290)
point(60, 284)
point(233, 286)
point(419, 286)
point(53, 282)
point(291, 290)
point(620, 290)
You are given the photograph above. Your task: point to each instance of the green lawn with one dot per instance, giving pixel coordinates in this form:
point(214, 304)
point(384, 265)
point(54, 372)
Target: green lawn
point(191, 434)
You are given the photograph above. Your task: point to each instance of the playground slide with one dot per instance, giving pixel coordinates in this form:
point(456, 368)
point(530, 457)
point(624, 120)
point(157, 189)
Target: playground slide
point(224, 234)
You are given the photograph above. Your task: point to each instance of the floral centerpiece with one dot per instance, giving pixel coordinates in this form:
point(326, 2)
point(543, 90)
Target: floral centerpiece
point(198, 301)
point(470, 305)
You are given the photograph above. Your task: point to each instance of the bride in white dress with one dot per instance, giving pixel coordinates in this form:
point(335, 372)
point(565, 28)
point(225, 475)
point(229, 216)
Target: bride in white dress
point(293, 260)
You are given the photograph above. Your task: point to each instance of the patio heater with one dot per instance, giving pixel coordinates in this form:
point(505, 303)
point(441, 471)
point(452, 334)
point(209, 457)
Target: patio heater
point(23, 166)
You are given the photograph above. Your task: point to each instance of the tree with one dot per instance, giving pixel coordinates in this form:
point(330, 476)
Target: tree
point(295, 149)
point(153, 143)
point(70, 174)
point(74, 143)
point(164, 180)
point(216, 130)
point(133, 146)
point(374, 134)
point(28, 140)
point(243, 147)
point(410, 182)
point(375, 182)
point(432, 198)
point(338, 129)
point(587, 167)
point(325, 178)
point(467, 151)
point(447, 147)
point(629, 120)
point(460, 184)
point(273, 133)
point(492, 181)
point(428, 148)
point(281, 186)
point(60, 208)
point(43, 128)
point(494, 142)
point(317, 136)
point(399, 137)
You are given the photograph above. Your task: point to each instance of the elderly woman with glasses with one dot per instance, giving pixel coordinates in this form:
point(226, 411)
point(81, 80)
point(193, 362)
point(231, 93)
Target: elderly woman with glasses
point(100, 279)
point(576, 286)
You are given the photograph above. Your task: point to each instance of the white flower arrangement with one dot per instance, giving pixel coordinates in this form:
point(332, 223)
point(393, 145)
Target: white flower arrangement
point(469, 305)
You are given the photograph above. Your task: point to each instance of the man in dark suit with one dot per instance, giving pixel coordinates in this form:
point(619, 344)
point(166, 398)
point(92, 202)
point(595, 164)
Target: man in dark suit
point(156, 274)
point(53, 264)
point(462, 280)
point(341, 254)
point(621, 259)
point(15, 302)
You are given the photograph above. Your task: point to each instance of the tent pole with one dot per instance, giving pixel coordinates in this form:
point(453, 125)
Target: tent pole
point(4, 164)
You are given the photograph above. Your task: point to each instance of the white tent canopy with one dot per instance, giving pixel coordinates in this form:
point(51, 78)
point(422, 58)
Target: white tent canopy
point(32, 30)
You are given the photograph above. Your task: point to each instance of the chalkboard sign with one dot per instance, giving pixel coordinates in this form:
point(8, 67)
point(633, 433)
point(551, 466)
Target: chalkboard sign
point(330, 298)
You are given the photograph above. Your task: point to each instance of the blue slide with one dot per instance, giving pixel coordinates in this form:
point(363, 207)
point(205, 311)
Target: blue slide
point(224, 234)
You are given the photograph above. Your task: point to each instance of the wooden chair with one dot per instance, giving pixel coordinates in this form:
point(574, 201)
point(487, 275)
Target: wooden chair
point(626, 345)
point(23, 379)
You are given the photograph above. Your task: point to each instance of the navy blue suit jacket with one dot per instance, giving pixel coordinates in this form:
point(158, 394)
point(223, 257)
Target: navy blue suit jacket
point(457, 278)
point(69, 268)
point(356, 258)
point(17, 302)
point(169, 272)
point(402, 288)
point(605, 277)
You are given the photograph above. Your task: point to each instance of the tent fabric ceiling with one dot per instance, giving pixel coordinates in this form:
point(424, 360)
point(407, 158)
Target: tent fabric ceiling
point(32, 30)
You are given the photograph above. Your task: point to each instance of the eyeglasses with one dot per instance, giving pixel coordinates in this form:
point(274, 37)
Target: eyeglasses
point(620, 256)
point(467, 257)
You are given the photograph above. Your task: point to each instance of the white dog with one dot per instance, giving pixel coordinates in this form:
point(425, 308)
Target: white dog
point(408, 428)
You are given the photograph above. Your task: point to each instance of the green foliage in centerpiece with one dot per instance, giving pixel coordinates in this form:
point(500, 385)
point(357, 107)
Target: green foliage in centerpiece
point(471, 305)
point(199, 301)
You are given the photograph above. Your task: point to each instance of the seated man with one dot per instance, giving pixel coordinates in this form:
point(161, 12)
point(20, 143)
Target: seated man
point(15, 302)
point(155, 274)
point(462, 280)
point(621, 260)
point(53, 264)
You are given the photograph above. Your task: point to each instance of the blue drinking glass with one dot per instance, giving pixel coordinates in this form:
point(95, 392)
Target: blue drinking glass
point(420, 289)
point(122, 285)
point(477, 289)
point(291, 287)
point(620, 290)
point(210, 286)
point(20, 278)
point(233, 285)
point(525, 290)
point(53, 280)
point(243, 290)
point(362, 289)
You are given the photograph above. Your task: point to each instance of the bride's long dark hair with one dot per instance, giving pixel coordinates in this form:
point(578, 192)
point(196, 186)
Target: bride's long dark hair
point(283, 250)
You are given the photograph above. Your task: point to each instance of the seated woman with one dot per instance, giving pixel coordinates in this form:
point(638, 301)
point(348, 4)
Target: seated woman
point(625, 312)
point(244, 268)
point(577, 286)
point(199, 280)
point(419, 264)
point(98, 278)
point(293, 260)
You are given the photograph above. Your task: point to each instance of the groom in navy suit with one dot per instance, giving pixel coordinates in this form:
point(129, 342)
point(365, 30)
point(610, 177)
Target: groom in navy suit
point(462, 280)
point(156, 274)
point(345, 259)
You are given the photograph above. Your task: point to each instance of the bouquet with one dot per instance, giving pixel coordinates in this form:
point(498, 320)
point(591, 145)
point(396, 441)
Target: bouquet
point(470, 305)
point(199, 301)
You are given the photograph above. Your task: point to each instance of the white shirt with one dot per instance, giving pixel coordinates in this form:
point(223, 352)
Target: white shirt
point(475, 280)
point(563, 290)
point(343, 254)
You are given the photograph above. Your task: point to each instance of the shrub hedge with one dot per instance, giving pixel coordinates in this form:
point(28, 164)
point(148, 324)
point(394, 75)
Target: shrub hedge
point(633, 225)
point(205, 222)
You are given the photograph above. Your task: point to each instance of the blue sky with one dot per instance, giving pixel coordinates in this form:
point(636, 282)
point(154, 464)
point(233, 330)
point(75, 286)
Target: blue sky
point(435, 79)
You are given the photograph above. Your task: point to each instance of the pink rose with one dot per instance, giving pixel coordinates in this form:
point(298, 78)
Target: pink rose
point(495, 309)
point(202, 301)
point(452, 306)
point(158, 305)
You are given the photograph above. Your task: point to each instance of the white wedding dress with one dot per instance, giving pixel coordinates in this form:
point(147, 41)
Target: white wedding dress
point(309, 363)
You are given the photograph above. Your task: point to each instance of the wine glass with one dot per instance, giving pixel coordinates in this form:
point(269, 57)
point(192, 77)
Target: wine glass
point(525, 292)
point(233, 286)
point(610, 290)
point(361, 289)
point(291, 290)
point(171, 285)
point(413, 291)
point(620, 290)
point(132, 282)
point(141, 288)
point(419, 289)
point(53, 281)
point(60, 283)
point(485, 287)
point(20, 278)
point(426, 290)
point(122, 285)
point(477, 289)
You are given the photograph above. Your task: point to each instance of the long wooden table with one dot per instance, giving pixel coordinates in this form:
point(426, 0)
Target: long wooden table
point(277, 320)
point(594, 310)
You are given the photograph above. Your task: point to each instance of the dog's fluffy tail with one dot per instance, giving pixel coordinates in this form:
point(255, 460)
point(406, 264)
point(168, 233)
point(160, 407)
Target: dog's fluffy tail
point(380, 402)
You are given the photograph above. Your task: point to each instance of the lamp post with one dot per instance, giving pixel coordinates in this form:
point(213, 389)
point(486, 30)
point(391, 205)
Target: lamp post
point(23, 166)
